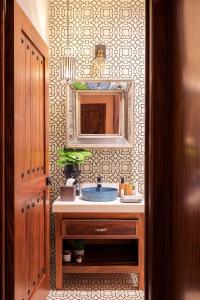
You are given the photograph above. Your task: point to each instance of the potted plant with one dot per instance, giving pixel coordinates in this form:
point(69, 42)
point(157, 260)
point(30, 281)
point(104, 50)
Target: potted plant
point(71, 159)
point(79, 248)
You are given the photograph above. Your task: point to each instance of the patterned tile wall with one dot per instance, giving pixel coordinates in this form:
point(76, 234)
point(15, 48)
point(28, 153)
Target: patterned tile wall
point(120, 25)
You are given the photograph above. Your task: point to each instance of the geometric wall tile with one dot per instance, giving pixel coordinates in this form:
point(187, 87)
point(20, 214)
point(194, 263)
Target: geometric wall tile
point(120, 25)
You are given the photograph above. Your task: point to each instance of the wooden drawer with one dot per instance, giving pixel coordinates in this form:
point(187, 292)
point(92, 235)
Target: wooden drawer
point(99, 227)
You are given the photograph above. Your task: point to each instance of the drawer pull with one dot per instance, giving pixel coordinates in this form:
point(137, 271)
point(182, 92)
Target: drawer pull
point(100, 229)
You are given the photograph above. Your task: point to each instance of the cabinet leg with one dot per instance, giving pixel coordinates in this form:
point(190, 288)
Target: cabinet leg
point(141, 262)
point(59, 275)
point(141, 282)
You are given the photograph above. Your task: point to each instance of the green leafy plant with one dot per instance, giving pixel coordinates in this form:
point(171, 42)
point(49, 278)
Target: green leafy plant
point(79, 85)
point(69, 156)
point(79, 244)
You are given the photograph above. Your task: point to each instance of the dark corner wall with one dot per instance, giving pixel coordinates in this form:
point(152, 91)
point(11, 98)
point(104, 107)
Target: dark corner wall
point(2, 99)
point(173, 150)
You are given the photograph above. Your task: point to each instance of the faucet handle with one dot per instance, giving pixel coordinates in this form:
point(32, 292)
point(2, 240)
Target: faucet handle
point(99, 179)
point(98, 183)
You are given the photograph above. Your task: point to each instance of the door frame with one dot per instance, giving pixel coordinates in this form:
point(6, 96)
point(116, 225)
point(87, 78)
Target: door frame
point(157, 159)
point(2, 143)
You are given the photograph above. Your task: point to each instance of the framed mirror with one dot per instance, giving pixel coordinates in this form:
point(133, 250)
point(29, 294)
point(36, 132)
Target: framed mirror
point(100, 114)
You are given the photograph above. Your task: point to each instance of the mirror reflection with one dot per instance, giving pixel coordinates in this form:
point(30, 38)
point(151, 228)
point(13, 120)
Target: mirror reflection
point(99, 113)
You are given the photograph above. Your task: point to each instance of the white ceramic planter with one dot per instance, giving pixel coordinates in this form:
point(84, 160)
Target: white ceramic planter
point(79, 252)
point(67, 256)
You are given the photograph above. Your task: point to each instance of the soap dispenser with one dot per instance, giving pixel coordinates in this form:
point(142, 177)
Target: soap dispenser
point(77, 187)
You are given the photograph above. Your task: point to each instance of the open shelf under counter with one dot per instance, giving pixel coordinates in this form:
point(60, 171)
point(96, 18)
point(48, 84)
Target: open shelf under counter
point(103, 258)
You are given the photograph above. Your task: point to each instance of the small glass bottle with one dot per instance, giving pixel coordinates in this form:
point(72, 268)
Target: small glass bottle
point(121, 187)
point(128, 189)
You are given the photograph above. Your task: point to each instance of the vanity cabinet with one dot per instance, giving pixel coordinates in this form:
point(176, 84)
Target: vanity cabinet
point(114, 243)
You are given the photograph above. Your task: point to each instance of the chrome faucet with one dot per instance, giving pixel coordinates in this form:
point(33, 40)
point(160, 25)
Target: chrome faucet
point(99, 185)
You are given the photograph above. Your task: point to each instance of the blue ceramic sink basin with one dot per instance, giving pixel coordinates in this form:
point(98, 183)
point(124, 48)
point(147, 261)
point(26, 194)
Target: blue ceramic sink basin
point(103, 194)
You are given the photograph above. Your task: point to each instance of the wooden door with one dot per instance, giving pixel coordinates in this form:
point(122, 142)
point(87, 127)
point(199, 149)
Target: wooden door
point(93, 118)
point(172, 152)
point(27, 235)
point(2, 26)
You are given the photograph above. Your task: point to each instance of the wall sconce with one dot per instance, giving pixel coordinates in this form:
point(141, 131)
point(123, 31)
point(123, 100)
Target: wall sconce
point(68, 64)
point(100, 60)
point(68, 69)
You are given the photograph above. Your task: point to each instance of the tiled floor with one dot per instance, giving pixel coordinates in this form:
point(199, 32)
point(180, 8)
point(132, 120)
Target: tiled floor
point(98, 287)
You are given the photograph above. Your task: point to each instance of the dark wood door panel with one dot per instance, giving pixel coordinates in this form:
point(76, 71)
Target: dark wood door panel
point(27, 127)
point(30, 111)
point(21, 107)
point(32, 187)
point(33, 112)
point(29, 242)
point(42, 248)
point(21, 254)
point(35, 241)
point(41, 243)
point(30, 251)
point(37, 112)
point(42, 116)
